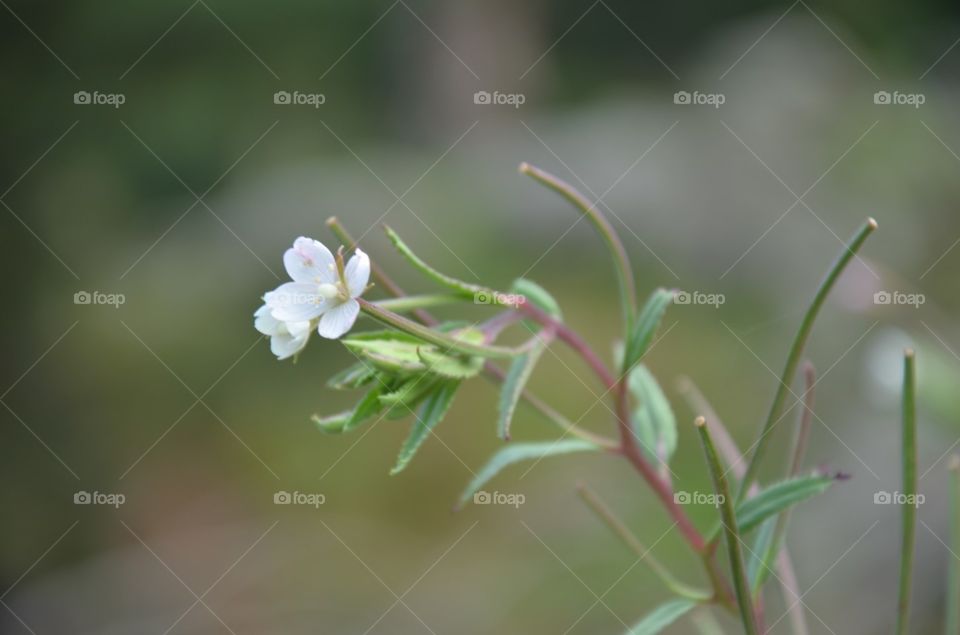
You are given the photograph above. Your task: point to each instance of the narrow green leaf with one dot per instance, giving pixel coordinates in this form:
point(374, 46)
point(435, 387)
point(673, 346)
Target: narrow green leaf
point(654, 422)
point(368, 408)
point(662, 617)
point(732, 531)
point(516, 452)
point(513, 384)
point(431, 412)
point(332, 424)
point(355, 376)
point(756, 559)
point(796, 350)
point(404, 399)
point(537, 296)
point(908, 508)
point(645, 327)
point(778, 497)
point(459, 287)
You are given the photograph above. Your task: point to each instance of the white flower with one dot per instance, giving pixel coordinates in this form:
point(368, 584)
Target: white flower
point(322, 288)
point(286, 338)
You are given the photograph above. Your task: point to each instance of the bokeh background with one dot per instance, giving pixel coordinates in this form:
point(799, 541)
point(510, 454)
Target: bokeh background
point(183, 198)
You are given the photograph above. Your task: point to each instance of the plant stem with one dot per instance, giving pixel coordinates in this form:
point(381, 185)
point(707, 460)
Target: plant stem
point(621, 263)
point(909, 507)
point(953, 568)
point(411, 303)
point(796, 349)
point(433, 336)
point(617, 526)
point(729, 518)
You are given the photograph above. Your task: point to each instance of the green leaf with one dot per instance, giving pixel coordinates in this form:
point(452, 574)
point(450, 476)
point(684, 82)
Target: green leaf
point(537, 296)
point(403, 400)
point(457, 286)
point(662, 617)
point(653, 421)
point(776, 498)
point(332, 424)
point(513, 384)
point(757, 556)
point(516, 452)
point(431, 412)
point(400, 353)
point(645, 327)
point(450, 366)
point(368, 408)
point(355, 376)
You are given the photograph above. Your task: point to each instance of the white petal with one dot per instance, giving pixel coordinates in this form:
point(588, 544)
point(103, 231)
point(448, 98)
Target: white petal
point(309, 261)
point(286, 345)
point(357, 273)
point(296, 302)
point(297, 329)
point(338, 320)
point(264, 322)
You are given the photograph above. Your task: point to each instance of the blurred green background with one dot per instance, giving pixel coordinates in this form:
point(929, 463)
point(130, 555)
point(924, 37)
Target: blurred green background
point(183, 198)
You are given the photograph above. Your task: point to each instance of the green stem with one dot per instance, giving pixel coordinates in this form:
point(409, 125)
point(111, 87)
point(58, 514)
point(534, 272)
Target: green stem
point(621, 263)
point(953, 567)
point(796, 350)
point(909, 507)
point(617, 526)
point(407, 304)
point(433, 336)
point(740, 583)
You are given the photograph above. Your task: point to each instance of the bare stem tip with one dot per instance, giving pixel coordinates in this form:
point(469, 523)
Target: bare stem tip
point(954, 464)
point(700, 422)
point(331, 221)
point(908, 352)
point(872, 222)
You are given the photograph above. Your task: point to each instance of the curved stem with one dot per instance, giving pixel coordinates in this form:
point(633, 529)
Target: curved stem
point(621, 263)
point(796, 350)
point(411, 303)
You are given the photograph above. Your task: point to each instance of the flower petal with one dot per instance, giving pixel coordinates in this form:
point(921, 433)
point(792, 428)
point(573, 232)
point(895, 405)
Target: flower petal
point(338, 320)
point(296, 302)
point(357, 273)
point(286, 345)
point(310, 261)
point(264, 322)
